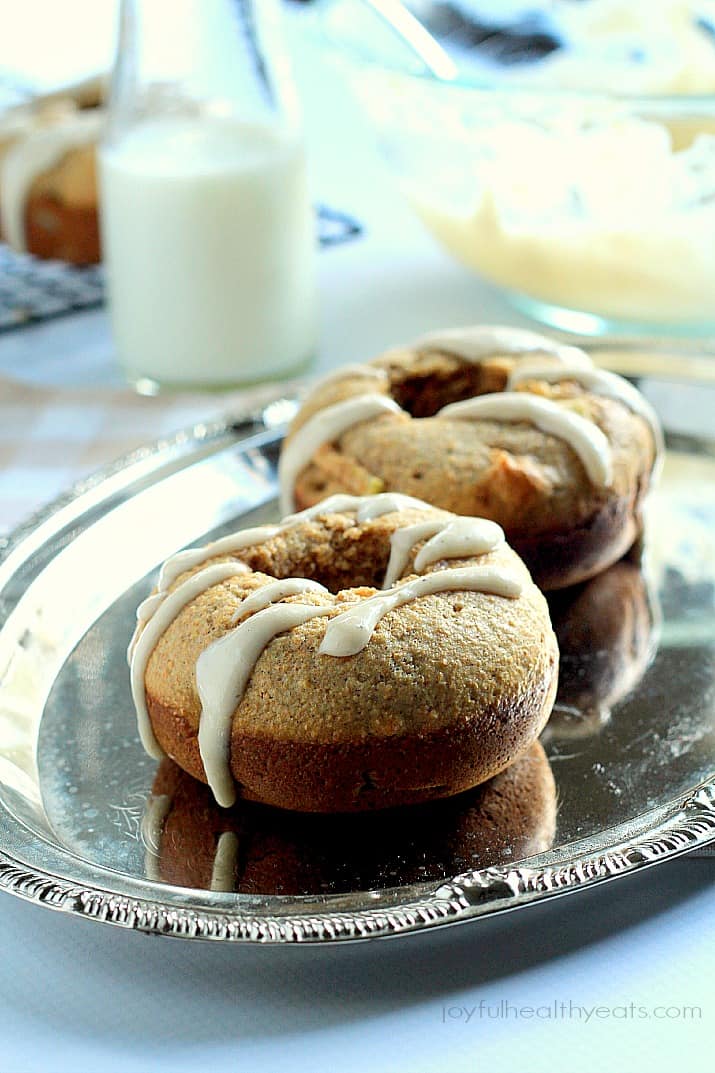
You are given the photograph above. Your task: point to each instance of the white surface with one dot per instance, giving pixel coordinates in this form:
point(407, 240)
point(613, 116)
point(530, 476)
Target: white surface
point(76, 996)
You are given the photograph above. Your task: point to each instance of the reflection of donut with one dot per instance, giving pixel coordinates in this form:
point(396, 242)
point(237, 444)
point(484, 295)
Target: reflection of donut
point(556, 451)
point(605, 634)
point(254, 849)
point(330, 695)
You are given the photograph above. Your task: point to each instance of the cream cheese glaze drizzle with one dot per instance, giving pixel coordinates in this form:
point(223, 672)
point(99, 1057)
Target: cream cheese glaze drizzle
point(452, 539)
point(144, 642)
point(274, 591)
point(325, 427)
point(586, 438)
point(460, 539)
point(349, 632)
point(475, 343)
point(224, 668)
point(366, 508)
point(222, 673)
point(187, 560)
point(596, 382)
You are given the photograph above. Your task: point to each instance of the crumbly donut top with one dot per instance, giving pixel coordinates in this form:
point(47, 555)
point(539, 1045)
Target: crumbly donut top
point(513, 387)
point(411, 549)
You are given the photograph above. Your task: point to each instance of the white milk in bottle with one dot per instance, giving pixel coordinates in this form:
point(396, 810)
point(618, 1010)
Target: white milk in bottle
point(207, 226)
point(208, 237)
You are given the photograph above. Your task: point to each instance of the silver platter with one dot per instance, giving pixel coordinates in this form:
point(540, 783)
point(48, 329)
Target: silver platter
point(87, 825)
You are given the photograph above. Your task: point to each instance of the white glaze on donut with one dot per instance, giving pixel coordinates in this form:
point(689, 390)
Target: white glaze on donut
point(366, 508)
point(347, 372)
point(274, 591)
point(403, 541)
point(475, 343)
point(460, 539)
point(143, 643)
point(222, 673)
point(597, 382)
point(224, 668)
point(455, 538)
point(324, 427)
point(228, 545)
point(349, 632)
point(583, 436)
point(144, 612)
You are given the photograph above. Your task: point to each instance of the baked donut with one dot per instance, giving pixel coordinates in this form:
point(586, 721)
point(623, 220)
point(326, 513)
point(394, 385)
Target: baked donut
point(493, 422)
point(48, 175)
point(254, 849)
point(606, 633)
point(273, 666)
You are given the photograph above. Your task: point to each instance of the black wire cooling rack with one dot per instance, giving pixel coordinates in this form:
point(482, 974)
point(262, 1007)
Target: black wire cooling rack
point(32, 290)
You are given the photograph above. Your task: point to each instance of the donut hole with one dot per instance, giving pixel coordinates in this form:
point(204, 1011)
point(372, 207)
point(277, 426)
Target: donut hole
point(337, 553)
point(445, 380)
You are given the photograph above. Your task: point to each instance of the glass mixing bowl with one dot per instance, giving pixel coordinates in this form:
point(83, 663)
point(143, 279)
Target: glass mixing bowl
point(577, 174)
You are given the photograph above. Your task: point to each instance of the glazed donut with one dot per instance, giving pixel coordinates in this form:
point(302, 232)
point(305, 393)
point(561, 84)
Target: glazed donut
point(493, 422)
point(253, 849)
point(272, 664)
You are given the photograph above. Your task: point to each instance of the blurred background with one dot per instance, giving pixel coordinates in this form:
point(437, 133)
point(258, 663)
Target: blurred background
point(44, 45)
point(564, 151)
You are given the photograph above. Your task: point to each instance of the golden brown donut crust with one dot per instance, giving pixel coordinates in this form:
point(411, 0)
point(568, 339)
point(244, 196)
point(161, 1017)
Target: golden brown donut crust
point(447, 692)
point(532, 483)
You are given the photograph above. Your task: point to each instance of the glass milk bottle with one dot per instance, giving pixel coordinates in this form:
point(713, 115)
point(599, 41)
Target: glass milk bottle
point(207, 226)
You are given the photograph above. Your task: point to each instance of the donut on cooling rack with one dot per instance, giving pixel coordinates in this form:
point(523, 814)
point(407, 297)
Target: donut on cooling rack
point(493, 422)
point(252, 849)
point(367, 653)
point(48, 174)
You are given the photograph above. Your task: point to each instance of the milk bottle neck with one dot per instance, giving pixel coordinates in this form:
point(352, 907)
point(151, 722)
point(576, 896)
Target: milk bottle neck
point(222, 59)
